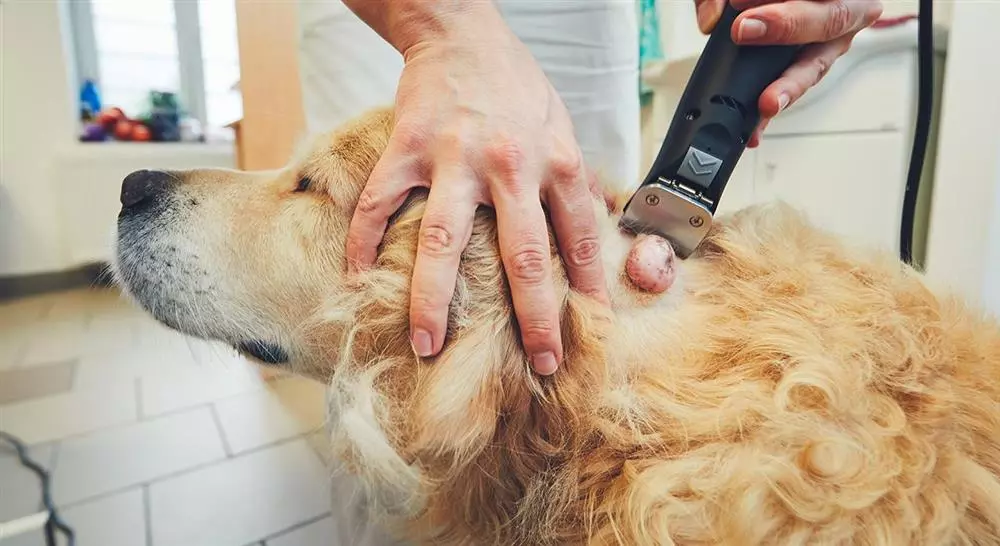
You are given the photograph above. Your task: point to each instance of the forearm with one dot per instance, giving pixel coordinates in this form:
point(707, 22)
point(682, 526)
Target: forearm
point(404, 23)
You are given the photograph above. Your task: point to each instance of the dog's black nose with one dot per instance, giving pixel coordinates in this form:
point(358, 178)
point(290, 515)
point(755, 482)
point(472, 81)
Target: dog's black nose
point(143, 185)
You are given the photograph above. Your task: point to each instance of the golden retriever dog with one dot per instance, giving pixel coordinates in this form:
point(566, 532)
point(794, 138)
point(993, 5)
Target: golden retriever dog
point(788, 389)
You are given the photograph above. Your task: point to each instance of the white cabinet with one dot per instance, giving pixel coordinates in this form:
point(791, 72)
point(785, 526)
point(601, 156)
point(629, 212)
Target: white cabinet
point(841, 153)
point(851, 186)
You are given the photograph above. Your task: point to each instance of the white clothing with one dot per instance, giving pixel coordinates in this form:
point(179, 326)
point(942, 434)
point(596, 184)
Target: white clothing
point(588, 49)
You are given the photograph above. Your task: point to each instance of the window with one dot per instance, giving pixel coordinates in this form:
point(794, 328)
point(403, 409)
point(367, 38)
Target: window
point(187, 47)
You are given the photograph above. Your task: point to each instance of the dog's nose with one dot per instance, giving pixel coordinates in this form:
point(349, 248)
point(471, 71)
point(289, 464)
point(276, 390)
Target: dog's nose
point(143, 185)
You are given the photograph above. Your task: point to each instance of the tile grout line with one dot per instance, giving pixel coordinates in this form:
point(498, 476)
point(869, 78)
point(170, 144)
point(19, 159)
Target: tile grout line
point(179, 473)
point(182, 409)
point(139, 413)
point(119, 425)
point(146, 418)
point(76, 373)
point(19, 355)
point(297, 526)
point(147, 514)
point(222, 432)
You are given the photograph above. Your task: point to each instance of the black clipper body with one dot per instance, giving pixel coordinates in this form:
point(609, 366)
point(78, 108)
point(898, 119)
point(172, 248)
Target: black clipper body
point(709, 132)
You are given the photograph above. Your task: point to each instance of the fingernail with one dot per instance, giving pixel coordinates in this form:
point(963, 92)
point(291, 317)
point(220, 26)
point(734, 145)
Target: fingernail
point(544, 363)
point(783, 100)
point(422, 343)
point(751, 29)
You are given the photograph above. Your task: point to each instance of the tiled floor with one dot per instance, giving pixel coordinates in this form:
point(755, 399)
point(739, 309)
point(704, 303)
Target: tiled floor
point(154, 439)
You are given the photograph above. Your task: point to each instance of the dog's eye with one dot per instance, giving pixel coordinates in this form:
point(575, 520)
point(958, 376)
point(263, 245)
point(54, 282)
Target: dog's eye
point(303, 184)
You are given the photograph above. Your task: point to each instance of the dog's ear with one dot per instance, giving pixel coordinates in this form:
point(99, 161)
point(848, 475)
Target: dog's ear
point(357, 146)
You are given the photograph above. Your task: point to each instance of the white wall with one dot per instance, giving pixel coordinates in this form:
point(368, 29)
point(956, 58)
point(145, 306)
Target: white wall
point(36, 120)
point(962, 247)
point(58, 197)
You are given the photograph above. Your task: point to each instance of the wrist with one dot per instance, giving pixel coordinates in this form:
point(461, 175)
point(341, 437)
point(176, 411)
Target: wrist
point(406, 23)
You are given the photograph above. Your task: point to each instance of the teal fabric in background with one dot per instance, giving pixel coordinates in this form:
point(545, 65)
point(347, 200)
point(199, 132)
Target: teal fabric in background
point(650, 49)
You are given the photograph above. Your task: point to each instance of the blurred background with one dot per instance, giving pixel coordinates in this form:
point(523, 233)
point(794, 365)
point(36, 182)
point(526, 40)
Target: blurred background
point(156, 439)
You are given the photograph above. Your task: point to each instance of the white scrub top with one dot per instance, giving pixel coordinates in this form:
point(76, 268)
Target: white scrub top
point(589, 49)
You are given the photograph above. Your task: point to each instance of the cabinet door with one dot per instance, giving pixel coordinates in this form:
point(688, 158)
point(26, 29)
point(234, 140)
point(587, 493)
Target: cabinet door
point(849, 184)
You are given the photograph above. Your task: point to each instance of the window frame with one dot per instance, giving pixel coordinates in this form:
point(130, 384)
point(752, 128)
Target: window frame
point(191, 68)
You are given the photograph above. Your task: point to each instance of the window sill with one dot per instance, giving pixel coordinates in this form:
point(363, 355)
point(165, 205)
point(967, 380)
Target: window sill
point(84, 151)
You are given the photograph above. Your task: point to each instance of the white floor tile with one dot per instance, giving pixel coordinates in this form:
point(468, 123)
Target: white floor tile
point(81, 303)
point(172, 389)
point(14, 340)
point(318, 533)
point(287, 408)
point(23, 310)
point(56, 340)
point(125, 456)
point(127, 365)
point(115, 520)
point(54, 417)
point(157, 337)
point(242, 500)
point(113, 331)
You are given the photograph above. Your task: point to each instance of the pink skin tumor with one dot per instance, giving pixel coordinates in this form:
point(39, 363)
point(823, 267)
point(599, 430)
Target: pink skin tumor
point(650, 264)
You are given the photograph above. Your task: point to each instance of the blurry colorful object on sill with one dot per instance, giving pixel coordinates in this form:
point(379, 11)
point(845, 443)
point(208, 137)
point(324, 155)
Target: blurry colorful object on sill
point(161, 121)
point(90, 100)
point(163, 117)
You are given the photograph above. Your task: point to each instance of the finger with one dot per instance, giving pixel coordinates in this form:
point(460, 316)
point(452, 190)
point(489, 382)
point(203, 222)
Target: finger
point(804, 21)
point(595, 189)
point(708, 13)
point(383, 194)
point(808, 69)
point(524, 249)
point(651, 264)
point(609, 201)
point(758, 133)
point(576, 231)
point(445, 230)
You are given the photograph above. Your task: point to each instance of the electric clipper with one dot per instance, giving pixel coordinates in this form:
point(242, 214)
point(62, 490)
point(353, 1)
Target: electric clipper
point(709, 132)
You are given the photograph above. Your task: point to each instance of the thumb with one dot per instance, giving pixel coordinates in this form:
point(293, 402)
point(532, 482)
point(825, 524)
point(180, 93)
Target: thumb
point(709, 12)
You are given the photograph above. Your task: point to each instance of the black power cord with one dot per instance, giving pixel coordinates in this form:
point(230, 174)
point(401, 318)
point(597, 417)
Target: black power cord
point(54, 522)
point(925, 103)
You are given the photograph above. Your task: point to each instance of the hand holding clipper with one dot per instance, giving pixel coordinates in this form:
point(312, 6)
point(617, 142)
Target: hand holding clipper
point(709, 132)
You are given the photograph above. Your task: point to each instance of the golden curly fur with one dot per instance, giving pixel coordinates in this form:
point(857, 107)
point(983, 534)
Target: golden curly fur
point(790, 389)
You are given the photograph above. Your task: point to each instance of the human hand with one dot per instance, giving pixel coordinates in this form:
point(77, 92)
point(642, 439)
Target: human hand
point(479, 124)
point(827, 26)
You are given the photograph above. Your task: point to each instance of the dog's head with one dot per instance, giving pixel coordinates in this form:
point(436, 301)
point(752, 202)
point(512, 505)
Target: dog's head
point(246, 258)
